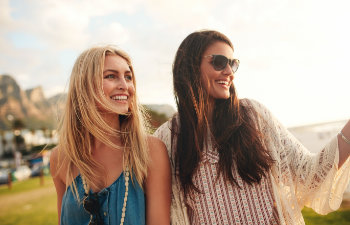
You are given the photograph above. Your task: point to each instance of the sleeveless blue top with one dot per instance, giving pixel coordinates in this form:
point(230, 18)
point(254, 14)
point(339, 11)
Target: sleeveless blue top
point(111, 203)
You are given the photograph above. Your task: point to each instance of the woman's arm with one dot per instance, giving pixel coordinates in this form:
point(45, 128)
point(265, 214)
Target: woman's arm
point(59, 184)
point(158, 184)
point(344, 148)
point(314, 179)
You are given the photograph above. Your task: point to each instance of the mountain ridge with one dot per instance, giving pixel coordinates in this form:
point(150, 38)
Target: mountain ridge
point(36, 111)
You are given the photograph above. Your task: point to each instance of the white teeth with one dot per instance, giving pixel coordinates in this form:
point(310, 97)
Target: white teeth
point(222, 82)
point(120, 97)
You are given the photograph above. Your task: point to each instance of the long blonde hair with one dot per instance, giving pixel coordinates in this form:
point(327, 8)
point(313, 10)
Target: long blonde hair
point(82, 122)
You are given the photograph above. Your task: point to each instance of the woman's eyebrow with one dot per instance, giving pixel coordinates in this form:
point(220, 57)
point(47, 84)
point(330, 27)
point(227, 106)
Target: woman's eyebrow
point(110, 70)
point(116, 71)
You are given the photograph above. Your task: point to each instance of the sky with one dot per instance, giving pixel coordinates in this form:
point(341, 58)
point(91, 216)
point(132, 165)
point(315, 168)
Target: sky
point(294, 54)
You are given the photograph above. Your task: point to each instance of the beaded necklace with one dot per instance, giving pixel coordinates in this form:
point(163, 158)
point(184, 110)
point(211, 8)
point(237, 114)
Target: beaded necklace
point(126, 177)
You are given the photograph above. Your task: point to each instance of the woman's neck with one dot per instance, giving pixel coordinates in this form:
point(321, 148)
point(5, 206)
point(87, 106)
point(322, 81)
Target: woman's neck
point(112, 119)
point(116, 139)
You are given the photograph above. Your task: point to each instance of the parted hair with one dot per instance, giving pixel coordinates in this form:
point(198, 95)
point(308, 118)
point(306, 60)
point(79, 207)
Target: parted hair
point(82, 122)
point(233, 126)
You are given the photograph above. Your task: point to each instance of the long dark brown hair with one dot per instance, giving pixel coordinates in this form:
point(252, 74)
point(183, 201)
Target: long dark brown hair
point(233, 125)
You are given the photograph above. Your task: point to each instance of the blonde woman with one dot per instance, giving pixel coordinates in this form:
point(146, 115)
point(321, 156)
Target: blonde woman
point(106, 169)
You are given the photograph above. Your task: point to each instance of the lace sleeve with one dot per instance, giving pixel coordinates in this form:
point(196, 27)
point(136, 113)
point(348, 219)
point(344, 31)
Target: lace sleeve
point(178, 208)
point(164, 134)
point(313, 179)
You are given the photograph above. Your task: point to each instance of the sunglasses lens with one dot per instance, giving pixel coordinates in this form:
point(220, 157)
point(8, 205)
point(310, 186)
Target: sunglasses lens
point(234, 64)
point(219, 62)
point(90, 205)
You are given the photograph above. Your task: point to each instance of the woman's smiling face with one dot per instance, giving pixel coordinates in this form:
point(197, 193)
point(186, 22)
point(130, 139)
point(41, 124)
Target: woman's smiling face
point(118, 85)
point(216, 83)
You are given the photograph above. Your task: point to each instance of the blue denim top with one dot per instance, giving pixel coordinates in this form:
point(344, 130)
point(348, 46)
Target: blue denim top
point(111, 203)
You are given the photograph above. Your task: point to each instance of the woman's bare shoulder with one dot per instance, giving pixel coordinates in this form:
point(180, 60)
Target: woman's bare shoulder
point(154, 143)
point(157, 149)
point(58, 163)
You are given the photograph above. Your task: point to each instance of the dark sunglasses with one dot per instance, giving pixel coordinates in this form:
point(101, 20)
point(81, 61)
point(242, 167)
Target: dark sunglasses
point(220, 62)
point(92, 206)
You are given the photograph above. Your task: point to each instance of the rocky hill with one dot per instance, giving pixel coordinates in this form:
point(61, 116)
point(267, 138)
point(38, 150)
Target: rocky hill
point(29, 106)
point(36, 111)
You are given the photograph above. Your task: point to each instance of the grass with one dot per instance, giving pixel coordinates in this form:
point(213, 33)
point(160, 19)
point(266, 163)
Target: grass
point(23, 186)
point(339, 217)
point(29, 203)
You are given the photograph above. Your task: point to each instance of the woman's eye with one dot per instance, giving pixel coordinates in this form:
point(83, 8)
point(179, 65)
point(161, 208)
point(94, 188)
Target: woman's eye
point(109, 76)
point(128, 77)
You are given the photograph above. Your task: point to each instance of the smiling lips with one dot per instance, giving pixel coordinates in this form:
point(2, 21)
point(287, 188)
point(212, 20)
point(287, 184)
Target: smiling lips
point(121, 98)
point(224, 83)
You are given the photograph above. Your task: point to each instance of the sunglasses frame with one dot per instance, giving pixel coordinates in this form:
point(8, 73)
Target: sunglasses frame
point(234, 63)
point(92, 200)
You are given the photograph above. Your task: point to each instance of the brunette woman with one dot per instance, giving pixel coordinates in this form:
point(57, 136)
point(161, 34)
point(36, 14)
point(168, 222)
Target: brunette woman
point(232, 161)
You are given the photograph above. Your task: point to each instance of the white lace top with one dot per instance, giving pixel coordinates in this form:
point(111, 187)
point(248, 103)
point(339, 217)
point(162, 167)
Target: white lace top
point(298, 178)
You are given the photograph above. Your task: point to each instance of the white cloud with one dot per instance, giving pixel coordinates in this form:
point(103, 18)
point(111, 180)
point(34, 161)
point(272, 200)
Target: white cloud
point(291, 52)
point(181, 14)
point(65, 24)
point(58, 24)
point(5, 17)
point(23, 77)
point(113, 33)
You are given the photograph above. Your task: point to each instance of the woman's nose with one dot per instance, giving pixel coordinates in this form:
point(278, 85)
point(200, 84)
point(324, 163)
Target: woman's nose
point(122, 84)
point(228, 70)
